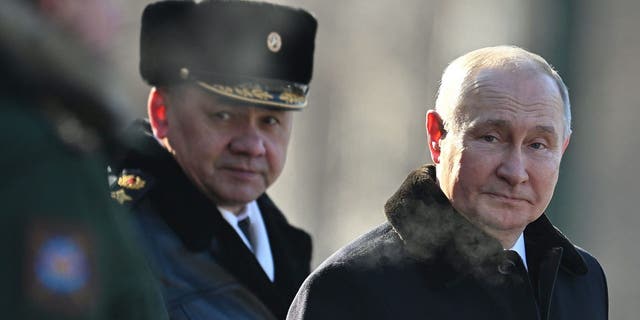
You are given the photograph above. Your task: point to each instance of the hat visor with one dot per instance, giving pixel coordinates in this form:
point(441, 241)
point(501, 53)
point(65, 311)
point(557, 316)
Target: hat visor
point(288, 97)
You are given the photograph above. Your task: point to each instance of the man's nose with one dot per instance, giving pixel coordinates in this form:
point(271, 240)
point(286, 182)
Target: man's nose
point(513, 167)
point(249, 142)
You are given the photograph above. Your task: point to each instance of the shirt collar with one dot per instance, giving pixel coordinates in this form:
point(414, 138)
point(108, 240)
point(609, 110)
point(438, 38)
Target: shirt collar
point(233, 218)
point(250, 210)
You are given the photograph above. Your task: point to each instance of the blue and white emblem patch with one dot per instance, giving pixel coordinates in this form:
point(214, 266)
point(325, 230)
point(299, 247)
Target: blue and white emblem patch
point(61, 265)
point(60, 268)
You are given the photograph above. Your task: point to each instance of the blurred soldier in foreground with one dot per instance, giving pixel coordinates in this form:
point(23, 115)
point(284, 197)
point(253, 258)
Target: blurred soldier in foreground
point(67, 250)
point(467, 238)
point(227, 77)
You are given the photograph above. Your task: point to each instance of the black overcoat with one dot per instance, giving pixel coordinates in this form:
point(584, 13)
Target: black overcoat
point(428, 262)
point(205, 269)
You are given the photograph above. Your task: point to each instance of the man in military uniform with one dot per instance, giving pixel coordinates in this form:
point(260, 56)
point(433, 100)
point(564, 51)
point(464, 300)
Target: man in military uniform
point(226, 76)
point(67, 250)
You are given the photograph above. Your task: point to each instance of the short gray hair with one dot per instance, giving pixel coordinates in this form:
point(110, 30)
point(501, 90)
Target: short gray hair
point(460, 72)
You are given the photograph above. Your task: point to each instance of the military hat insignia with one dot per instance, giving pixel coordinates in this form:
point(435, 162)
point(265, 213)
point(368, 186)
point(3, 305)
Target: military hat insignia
point(291, 97)
point(184, 73)
point(274, 42)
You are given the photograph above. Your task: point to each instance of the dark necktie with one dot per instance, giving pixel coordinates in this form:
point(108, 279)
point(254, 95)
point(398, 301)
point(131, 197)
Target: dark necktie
point(244, 225)
point(511, 262)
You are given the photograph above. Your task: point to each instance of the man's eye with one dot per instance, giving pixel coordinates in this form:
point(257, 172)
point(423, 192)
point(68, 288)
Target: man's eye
point(223, 115)
point(271, 120)
point(537, 145)
point(489, 138)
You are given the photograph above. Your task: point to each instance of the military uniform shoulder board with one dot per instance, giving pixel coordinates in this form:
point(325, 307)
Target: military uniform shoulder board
point(129, 186)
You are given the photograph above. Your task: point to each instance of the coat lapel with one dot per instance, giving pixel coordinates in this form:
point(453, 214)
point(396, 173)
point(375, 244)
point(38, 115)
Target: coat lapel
point(227, 248)
point(547, 278)
point(549, 250)
point(290, 247)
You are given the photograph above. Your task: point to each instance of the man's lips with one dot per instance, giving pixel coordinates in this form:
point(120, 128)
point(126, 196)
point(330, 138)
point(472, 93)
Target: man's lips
point(240, 172)
point(507, 198)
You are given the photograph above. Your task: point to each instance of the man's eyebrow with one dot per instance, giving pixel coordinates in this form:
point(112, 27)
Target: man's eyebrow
point(492, 123)
point(499, 123)
point(546, 129)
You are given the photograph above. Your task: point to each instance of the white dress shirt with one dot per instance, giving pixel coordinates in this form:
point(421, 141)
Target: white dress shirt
point(258, 232)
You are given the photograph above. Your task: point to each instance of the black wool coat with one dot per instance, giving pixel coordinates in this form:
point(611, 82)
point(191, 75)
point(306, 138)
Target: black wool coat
point(428, 262)
point(203, 267)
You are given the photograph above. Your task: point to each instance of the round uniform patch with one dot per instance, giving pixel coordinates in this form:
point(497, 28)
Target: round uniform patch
point(61, 265)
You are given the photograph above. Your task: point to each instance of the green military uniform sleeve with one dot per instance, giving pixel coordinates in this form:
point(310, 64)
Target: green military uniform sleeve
point(68, 251)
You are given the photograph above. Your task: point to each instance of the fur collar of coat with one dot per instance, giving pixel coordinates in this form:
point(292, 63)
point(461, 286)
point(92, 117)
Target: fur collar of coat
point(430, 228)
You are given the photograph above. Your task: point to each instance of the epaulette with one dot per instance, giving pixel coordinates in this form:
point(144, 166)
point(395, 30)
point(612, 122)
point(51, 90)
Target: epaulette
point(129, 186)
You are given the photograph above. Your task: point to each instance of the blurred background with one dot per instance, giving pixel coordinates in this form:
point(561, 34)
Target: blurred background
point(377, 66)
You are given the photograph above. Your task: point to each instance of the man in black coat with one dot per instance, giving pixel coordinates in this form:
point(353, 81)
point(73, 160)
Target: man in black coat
point(226, 76)
point(466, 238)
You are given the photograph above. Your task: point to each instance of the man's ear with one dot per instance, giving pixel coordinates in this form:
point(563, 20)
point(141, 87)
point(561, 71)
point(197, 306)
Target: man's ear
point(157, 110)
point(436, 132)
point(565, 144)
